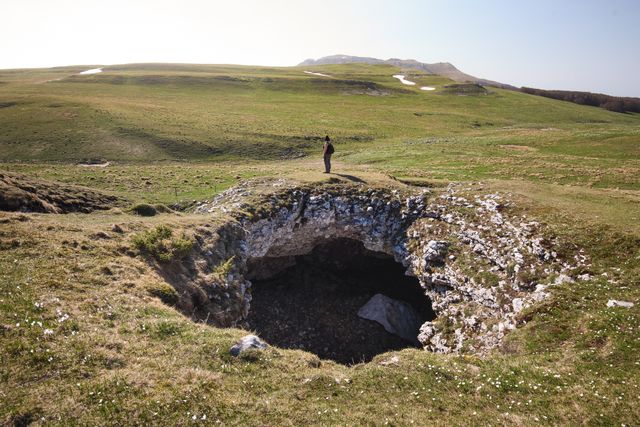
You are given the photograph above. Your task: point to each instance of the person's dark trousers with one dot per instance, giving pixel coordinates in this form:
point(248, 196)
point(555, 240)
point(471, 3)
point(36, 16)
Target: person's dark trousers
point(327, 163)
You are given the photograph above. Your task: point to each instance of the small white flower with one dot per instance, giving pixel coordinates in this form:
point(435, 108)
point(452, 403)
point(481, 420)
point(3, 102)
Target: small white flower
point(48, 332)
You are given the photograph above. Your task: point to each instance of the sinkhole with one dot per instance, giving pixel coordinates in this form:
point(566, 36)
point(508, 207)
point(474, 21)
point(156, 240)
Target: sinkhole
point(312, 301)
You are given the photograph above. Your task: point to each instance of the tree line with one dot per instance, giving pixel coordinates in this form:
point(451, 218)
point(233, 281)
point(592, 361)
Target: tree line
point(611, 103)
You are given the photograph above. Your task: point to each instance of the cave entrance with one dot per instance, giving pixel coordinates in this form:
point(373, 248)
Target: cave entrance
point(311, 302)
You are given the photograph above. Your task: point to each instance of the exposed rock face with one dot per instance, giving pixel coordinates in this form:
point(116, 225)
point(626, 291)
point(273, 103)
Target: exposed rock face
point(395, 316)
point(296, 219)
point(479, 265)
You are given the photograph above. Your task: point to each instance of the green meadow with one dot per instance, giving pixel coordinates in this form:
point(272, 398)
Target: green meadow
point(175, 134)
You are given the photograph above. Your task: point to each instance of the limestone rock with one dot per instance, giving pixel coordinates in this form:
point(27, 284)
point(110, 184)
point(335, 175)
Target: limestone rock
point(563, 278)
point(616, 303)
point(397, 317)
point(517, 305)
point(436, 251)
point(247, 342)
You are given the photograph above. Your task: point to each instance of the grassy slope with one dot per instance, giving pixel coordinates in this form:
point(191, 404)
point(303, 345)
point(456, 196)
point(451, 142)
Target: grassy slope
point(123, 357)
point(142, 113)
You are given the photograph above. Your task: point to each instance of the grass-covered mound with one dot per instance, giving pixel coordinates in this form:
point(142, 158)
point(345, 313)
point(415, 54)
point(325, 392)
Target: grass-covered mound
point(20, 193)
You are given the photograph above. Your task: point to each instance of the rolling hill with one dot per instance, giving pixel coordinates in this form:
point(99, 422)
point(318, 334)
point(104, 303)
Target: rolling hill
point(129, 196)
point(143, 112)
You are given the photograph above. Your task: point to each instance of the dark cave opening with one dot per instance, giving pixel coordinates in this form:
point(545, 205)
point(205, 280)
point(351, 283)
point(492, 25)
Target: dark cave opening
point(311, 302)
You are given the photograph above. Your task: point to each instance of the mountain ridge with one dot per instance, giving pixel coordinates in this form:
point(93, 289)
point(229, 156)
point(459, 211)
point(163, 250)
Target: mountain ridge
point(445, 69)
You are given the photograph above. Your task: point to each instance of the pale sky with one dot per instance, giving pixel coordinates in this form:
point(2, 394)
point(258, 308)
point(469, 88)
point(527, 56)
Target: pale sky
point(585, 45)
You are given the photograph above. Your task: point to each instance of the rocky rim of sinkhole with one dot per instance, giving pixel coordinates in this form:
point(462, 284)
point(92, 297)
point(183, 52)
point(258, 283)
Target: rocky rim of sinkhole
point(476, 261)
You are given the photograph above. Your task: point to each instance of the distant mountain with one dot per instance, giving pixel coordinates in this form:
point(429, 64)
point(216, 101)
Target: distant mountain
point(444, 69)
point(341, 59)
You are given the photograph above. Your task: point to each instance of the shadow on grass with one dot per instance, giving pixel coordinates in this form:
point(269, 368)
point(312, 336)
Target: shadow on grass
point(351, 178)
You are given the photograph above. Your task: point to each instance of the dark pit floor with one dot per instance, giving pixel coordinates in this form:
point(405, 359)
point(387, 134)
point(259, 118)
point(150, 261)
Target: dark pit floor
point(313, 305)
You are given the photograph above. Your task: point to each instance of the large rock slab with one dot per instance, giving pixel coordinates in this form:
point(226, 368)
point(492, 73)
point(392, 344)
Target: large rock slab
point(397, 317)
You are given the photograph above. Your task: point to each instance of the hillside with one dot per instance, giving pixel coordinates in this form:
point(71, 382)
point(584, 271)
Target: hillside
point(170, 112)
point(443, 69)
point(153, 215)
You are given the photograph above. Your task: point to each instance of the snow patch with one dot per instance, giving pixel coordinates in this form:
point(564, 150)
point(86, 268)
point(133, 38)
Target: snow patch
point(427, 88)
point(316, 74)
point(403, 81)
point(94, 165)
point(92, 71)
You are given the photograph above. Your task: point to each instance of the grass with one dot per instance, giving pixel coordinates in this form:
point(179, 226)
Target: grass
point(155, 112)
point(87, 339)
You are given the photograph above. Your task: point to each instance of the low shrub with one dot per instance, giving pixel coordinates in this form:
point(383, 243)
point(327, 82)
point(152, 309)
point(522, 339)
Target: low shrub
point(223, 269)
point(144, 209)
point(162, 245)
point(164, 291)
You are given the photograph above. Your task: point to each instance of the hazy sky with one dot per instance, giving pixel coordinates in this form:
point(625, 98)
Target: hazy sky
point(553, 44)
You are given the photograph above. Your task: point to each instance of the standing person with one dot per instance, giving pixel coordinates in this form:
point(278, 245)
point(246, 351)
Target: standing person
point(327, 151)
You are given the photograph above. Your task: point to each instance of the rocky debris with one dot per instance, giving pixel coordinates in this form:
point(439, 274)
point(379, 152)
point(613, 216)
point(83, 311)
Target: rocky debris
point(562, 278)
point(247, 342)
point(21, 194)
point(501, 267)
point(397, 317)
point(239, 196)
point(517, 304)
point(429, 334)
point(435, 252)
point(616, 303)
